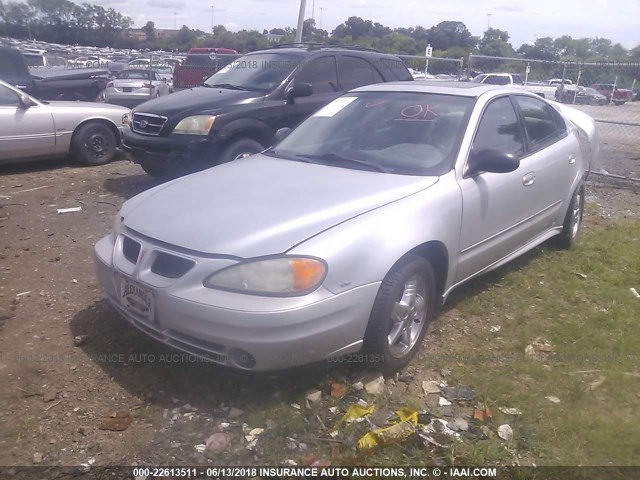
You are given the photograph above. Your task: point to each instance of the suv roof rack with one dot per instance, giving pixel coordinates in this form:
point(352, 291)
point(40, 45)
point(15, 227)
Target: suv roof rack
point(315, 45)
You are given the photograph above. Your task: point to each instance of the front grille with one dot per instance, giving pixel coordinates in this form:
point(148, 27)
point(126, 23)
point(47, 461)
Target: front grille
point(147, 123)
point(171, 266)
point(130, 249)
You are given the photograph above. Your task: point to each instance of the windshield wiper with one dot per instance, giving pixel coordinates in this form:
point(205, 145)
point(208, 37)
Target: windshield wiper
point(229, 86)
point(332, 158)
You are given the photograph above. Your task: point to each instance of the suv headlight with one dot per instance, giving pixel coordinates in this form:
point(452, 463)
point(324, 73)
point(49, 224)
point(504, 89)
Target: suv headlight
point(195, 125)
point(280, 276)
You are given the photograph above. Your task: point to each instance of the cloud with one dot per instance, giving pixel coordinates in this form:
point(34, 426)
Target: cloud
point(168, 4)
point(509, 8)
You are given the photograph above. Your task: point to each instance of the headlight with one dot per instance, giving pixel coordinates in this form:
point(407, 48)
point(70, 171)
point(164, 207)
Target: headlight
point(282, 276)
point(125, 120)
point(115, 229)
point(195, 125)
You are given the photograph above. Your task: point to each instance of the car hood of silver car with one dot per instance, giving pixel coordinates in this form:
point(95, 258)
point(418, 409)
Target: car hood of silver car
point(261, 205)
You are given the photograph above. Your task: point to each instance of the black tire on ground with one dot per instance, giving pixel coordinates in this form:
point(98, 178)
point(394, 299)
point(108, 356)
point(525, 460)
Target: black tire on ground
point(393, 303)
point(94, 143)
point(240, 148)
point(572, 220)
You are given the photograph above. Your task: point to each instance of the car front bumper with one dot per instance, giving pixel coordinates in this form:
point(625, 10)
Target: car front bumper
point(237, 330)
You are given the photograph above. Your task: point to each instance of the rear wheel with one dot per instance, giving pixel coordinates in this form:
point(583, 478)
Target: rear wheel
point(94, 143)
point(402, 311)
point(572, 220)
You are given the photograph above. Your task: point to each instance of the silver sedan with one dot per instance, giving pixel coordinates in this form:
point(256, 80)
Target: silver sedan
point(345, 237)
point(133, 87)
point(33, 129)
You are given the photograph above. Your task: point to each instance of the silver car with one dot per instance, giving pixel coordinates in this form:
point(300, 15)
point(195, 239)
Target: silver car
point(33, 129)
point(345, 237)
point(132, 87)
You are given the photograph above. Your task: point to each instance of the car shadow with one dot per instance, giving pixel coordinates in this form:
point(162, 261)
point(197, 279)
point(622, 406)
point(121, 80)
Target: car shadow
point(17, 167)
point(158, 374)
point(128, 186)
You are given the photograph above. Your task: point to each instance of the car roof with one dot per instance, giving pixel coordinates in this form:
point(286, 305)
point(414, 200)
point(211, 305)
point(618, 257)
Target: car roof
point(463, 89)
point(304, 51)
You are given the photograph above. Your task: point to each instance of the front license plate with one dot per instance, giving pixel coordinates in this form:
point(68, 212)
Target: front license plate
point(137, 299)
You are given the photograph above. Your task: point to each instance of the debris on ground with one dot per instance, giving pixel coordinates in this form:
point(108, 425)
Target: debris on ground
point(396, 433)
point(49, 395)
point(37, 457)
point(581, 275)
point(252, 437)
point(553, 399)
point(495, 328)
point(539, 349)
point(482, 414)
point(634, 292)
point(69, 210)
point(338, 390)
point(430, 387)
point(116, 422)
point(459, 392)
point(80, 340)
point(510, 410)
point(358, 385)
point(218, 442)
point(235, 412)
point(596, 383)
point(374, 383)
point(458, 424)
point(314, 396)
point(505, 432)
point(356, 413)
point(438, 433)
point(443, 402)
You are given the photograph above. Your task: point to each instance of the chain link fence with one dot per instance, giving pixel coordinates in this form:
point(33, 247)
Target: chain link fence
point(608, 91)
point(434, 68)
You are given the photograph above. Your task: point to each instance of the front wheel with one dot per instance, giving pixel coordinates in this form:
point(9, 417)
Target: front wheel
point(243, 147)
point(402, 311)
point(572, 220)
point(93, 144)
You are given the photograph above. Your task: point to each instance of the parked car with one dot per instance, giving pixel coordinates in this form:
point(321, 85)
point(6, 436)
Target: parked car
point(578, 95)
point(51, 83)
point(33, 129)
point(132, 87)
point(200, 64)
point(614, 94)
point(346, 235)
point(165, 72)
point(544, 90)
point(239, 109)
point(39, 60)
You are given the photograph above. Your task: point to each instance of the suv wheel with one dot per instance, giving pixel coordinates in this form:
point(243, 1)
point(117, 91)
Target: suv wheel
point(243, 147)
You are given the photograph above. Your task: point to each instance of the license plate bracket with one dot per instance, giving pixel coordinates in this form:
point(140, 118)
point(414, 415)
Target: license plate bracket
point(137, 299)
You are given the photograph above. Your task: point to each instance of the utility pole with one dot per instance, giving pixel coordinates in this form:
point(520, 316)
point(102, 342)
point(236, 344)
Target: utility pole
point(313, 9)
point(489, 20)
point(303, 6)
point(211, 19)
point(320, 27)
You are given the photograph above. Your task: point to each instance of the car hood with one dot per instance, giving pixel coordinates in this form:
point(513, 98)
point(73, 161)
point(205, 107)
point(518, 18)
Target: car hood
point(195, 100)
point(261, 205)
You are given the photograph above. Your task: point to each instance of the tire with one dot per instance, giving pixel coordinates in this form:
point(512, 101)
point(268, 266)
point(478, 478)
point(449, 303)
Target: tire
point(162, 170)
point(242, 147)
point(618, 103)
point(94, 143)
point(572, 220)
point(409, 291)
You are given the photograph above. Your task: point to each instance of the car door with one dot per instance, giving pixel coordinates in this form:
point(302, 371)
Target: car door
point(550, 161)
point(322, 73)
point(26, 131)
point(495, 208)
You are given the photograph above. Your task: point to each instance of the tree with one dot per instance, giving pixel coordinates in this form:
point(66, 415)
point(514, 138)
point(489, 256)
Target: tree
point(449, 34)
point(543, 49)
point(495, 43)
point(150, 30)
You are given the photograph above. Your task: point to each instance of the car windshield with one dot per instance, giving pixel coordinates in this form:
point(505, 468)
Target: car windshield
point(259, 72)
point(394, 132)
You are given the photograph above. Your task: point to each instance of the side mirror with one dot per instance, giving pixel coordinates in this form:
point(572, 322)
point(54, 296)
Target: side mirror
point(298, 89)
point(26, 101)
point(282, 133)
point(491, 161)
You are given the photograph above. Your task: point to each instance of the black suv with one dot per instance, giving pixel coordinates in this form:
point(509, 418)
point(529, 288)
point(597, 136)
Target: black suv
point(239, 109)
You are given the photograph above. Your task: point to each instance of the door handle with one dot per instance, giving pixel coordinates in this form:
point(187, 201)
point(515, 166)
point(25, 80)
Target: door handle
point(529, 179)
point(572, 158)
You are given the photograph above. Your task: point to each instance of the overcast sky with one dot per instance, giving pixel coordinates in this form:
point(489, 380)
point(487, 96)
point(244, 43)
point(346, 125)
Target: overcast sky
point(525, 20)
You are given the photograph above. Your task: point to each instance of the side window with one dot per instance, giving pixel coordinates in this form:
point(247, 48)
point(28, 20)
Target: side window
point(8, 98)
point(538, 121)
point(499, 129)
point(496, 80)
point(321, 73)
point(356, 72)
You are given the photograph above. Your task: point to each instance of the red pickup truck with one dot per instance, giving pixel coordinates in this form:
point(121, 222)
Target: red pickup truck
point(200, 64)
point(620, 95)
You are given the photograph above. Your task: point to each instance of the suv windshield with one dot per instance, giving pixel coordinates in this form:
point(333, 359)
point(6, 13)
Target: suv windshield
point(396, 132)
point(259, 72)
